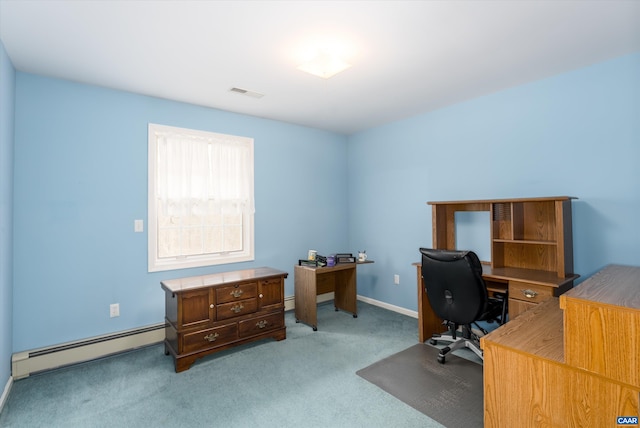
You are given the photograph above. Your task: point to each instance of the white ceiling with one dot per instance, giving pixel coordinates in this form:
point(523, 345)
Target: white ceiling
point(408, 56)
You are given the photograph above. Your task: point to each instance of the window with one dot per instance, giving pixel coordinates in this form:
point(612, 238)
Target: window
point(200, 198)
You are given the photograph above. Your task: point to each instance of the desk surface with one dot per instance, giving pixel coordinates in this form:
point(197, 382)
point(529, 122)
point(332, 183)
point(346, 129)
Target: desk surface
point(615, 285)
point(319, 270)
point(327, 269)
point(527, 275)
point(464, 203)
point(538, 331)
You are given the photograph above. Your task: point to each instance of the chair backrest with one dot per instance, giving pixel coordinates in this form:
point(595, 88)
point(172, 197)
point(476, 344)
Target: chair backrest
point(453, 282)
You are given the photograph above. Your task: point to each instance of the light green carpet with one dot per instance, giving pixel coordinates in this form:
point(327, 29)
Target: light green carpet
point(307, 380)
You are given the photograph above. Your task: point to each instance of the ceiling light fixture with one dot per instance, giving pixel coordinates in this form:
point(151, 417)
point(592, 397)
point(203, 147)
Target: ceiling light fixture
point(325, 55)
point(324, 64)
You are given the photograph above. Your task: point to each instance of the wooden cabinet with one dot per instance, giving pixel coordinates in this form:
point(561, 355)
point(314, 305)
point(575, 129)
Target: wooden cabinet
point(206, 314)
point(531, 245)
point(571, 361)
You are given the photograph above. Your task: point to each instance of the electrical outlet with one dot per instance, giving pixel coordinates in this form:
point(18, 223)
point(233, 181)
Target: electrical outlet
point(114, 310)
point(396, 279)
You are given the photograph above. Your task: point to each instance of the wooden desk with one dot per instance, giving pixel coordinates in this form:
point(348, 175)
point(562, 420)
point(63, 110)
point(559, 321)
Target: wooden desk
point(571, 361)
point(312, 281)
point(538, 285)
point(531, 251)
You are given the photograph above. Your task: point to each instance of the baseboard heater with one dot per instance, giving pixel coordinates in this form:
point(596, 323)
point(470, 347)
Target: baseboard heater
point(24, 364)
point(290, 301)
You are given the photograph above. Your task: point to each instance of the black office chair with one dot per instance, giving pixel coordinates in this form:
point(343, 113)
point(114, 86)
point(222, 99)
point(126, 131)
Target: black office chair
point(458, 294)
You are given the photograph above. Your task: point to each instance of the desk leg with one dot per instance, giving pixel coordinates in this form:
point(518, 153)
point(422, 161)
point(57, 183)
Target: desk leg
point(346, 291)
point(305, 289)
point(428, 322)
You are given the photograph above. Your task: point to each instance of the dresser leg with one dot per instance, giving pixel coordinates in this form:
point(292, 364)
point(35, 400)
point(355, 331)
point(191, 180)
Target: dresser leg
point(183, 364)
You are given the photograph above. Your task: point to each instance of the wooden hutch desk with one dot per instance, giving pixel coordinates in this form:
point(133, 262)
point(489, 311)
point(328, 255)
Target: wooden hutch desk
point(531, 251)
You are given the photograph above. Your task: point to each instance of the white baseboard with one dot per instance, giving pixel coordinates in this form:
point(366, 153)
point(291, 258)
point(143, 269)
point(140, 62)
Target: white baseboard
point(26, 363)
point(394, 308)
point(289, 304)
point(5, 393)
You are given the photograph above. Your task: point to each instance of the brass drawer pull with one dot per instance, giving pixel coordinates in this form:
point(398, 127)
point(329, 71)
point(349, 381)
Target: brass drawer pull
point(211, 337)
point(237, 308)
point(262, 324)
point(236, 293)
point(529, 294)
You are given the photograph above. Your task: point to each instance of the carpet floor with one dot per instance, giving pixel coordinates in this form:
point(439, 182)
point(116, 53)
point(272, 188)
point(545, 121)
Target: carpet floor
point(307, 380)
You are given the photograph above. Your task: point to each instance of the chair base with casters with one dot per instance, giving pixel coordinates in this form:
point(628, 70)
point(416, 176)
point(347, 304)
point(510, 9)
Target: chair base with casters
point(463, 337)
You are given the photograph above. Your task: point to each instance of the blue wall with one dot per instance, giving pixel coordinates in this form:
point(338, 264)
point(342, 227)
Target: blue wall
point(81, 180)
point(575, 134)
point(7, 99)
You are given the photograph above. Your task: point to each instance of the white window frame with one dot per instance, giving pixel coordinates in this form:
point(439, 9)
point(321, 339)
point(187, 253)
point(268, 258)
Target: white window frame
point(155, 263)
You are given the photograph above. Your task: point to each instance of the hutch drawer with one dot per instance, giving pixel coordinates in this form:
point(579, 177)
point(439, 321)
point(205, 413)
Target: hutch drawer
point(531, 293)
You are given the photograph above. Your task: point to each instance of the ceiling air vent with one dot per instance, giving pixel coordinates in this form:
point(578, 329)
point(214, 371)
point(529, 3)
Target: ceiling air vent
point(247, 93)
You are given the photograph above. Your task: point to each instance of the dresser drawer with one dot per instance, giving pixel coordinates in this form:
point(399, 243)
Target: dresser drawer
point(236, 292)
point(204, 339)
point(236, 309)
point(528, 292)
point(260, 324)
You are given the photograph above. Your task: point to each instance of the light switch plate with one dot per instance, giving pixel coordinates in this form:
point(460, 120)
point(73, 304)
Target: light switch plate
point(114, 310)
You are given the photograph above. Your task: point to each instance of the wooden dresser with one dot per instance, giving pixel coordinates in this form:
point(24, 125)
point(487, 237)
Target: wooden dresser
point(569, 361)
point(210, 313)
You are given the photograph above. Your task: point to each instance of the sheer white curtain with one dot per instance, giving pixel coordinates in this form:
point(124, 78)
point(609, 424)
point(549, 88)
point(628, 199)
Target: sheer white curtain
point(198, 175)
point(232, 181)
point(201, 207)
